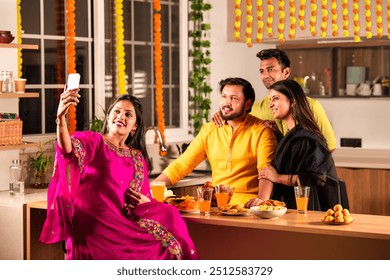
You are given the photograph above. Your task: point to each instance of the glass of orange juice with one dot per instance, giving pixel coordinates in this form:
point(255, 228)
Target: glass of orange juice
point(158, 190)
point(223, 194)
point(302, 198)
point(204, 199)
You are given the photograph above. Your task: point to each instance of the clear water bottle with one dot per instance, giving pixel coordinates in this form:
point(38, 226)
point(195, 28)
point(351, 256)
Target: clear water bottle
point(16, 183)
point(8, 81)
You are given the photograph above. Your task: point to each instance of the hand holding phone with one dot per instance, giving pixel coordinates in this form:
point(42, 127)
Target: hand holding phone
point(73, 81)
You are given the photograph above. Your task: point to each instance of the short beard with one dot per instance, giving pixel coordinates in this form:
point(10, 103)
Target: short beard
point(233, 116)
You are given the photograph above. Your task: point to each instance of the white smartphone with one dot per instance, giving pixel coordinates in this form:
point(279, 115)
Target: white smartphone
point(73, 81)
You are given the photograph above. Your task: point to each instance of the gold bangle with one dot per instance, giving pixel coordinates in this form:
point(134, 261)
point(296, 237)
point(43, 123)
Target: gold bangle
point(58, 122)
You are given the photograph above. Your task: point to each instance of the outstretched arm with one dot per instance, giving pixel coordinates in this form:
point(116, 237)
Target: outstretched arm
point(68, 98)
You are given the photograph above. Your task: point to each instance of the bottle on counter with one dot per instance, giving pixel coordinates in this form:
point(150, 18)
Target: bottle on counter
point(8, 81)
point(16, 183)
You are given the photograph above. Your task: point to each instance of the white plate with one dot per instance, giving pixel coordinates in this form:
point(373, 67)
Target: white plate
point(189, 211)
point(236, 214)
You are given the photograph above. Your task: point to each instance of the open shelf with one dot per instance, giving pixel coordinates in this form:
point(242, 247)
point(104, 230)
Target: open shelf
point(19, 95)
point(24, 145)
point(19, 46)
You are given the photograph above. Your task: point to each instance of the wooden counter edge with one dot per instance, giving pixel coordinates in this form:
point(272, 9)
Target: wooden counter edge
point(364, 226)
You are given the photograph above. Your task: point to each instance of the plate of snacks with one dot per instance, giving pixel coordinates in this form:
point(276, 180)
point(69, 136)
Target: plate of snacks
point(269, 209)
point(337, 216)
point(235, 210)
point(185, 204)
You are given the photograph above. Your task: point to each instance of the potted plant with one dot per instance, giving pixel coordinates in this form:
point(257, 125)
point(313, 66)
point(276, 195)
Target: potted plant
point(41, 162)
point(198, 81)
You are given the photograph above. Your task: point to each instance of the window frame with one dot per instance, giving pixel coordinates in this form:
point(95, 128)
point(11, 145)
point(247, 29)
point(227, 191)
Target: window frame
point(179, 134)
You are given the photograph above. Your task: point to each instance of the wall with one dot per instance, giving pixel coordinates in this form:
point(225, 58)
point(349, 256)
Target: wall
point(8, 61)
point(363, 118)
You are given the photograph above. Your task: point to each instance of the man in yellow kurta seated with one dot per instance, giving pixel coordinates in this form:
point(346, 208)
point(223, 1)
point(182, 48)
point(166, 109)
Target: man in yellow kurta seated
point(236, 151)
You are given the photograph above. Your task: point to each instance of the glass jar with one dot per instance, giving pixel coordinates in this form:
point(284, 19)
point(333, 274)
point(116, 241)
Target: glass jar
point(8, 81)
point(16, 183)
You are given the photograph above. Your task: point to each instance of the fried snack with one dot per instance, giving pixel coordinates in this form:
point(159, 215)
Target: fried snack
point(330, 212)
point(337, 207)
point(237, 208)
point(189, 203)
point(345, 212)
point(271, 202)
point(329, 218)
point(348, 219)
point(337, 216)
point(270, 207)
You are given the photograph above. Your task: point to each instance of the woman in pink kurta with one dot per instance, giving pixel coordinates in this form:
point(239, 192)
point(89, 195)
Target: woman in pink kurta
point(105, 210)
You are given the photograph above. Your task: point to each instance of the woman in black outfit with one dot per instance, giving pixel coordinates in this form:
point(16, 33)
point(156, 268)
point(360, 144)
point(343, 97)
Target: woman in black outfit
point(302, 154)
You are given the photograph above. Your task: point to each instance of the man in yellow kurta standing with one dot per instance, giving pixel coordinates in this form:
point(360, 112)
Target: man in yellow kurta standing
point(236, 151)
point(275, 66)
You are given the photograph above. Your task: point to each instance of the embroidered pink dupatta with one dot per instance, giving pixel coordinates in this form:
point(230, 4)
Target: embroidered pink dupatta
point(89, 213)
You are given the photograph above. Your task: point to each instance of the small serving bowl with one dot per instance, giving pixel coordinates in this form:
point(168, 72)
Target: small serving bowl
point(268, 214)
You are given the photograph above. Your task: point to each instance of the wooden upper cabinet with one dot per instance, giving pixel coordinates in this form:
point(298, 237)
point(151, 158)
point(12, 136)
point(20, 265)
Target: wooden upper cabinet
point(314, 66)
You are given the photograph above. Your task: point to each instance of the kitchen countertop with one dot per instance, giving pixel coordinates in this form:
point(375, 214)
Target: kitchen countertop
point(362, 158)
point(31, 195)
point(292, 236)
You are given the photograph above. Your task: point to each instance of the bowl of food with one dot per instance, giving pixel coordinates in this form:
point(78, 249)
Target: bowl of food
point(337, 216)
point(268, 212)
point(269, 209)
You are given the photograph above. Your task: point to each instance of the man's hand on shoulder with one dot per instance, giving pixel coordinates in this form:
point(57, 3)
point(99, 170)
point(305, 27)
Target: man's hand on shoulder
point(217, 119)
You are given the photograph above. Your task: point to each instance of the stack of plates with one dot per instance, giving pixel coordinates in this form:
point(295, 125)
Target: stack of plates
point(6, 37)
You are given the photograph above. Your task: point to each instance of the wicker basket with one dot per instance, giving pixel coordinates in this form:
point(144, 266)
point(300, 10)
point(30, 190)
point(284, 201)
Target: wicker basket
point(10, 132)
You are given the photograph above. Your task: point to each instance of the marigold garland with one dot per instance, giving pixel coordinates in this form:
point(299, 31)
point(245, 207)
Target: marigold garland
point(334, 10)
point(237, 22)
point(71, 55)
point(367, 6)
point(270, 18)
point(19, 36)
point(388, 19)
point(158, 70)
point(335, 27)
point(345, 18)
point(379, 22)
point(282, 16)
point(301, 14)
point(120, 46)
point(260, 23)
point(293, 20)
point(313, 17)
point(356, 23)
point(324, 18)
point(249, 20)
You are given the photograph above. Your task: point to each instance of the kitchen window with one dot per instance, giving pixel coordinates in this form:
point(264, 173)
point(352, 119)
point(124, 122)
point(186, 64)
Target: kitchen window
point(43, 22)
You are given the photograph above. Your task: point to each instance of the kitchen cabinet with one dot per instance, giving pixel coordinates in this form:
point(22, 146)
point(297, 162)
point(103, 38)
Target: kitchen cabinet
point(368, 189)
point(13, 222)
point(327, 65)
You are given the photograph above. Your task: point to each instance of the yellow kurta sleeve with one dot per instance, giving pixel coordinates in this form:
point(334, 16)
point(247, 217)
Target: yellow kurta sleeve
point(235, 158)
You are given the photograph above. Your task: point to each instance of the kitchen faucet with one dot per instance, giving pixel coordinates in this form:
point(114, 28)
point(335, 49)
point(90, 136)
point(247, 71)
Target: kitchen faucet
point(163, 147)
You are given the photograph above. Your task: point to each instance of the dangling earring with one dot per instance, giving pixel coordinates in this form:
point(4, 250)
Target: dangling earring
point(132, 132)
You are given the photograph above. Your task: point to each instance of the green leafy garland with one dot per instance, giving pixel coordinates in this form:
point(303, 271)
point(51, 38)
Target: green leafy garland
point(200, 69)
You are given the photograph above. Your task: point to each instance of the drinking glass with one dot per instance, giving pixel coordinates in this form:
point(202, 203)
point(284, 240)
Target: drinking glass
point(223, 194)
point(302, 198)
point(204, 199)
point(158, 190)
